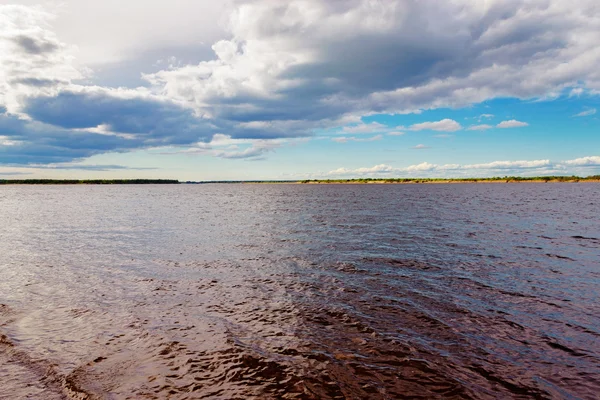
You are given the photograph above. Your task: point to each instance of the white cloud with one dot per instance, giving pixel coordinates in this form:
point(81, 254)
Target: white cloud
point(445, 125)
point(33, 61)
point(512, 124)
point(584, 161)
point(377, 169)
point(586, 113)
point(424, 166)
point(224, 146)
point(256, 151)
point(370, 128)
point(5, 141)
point(365, 128)
point(584, 166)
point(420, 147)
point(509, 49)
point(482, 127)
point(510, 165)
point(139, 27)
point(576, 92)
point(344, 139)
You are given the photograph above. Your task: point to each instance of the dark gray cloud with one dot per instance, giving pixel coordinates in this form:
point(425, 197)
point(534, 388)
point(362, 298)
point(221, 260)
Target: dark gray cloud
point(38, 82)
point(36, 143)
point(64, 128)
point(128, 72)
point(32, 153)
point(162, 122)
point(88, 110)
point(35, 46)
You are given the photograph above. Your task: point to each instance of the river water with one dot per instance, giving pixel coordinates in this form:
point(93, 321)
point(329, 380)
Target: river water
point(472, 291)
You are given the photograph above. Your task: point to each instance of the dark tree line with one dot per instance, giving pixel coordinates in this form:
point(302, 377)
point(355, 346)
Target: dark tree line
point(86, 181)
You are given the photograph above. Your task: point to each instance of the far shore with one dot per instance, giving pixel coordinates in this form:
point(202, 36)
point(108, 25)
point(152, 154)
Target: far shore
point(88, 182)
point(353, 181)
point(445, 181)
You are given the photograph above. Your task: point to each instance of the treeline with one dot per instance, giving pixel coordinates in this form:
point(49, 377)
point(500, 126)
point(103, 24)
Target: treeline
point(465, 180)
point(212, 182)
point(86, 181)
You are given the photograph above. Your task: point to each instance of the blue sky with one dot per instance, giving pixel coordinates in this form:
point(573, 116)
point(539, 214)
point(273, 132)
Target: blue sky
point(299, 89)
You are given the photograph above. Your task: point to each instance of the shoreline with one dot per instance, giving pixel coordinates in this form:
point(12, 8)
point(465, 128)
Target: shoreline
point(356, 181)
point(89, 182)
point(438, 182)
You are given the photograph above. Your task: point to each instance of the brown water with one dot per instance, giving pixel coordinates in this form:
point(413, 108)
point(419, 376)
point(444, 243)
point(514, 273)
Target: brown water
point(300, 291)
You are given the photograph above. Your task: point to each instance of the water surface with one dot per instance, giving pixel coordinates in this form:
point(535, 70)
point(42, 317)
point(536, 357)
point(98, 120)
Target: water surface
point(300, 291)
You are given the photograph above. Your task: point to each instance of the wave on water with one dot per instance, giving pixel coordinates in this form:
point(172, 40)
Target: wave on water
point(300, 292)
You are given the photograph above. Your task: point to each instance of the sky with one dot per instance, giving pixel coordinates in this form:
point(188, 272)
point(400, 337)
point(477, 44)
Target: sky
point(300, 89)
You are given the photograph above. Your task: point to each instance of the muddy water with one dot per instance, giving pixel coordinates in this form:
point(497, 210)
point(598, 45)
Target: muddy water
point(297, 291)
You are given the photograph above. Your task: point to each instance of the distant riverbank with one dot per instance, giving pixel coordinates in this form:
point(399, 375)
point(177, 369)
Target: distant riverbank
point(88, 182)
point(505, 179)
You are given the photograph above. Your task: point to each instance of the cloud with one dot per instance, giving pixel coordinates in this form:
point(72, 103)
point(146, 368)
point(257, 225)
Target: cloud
point(161, 28)
point(256, 151)
point(377, 169)
point(32, 59)
point(328, 59)
point(482, 127)
point(365, 128)
point(76, 125)
point(82, 167)
point(157, 121)
point(344, 139)
point(14, 173)
point(583, 165)
point(486, 116)
point(226, 147)
point(591, 161)
point(95, 167)
point(499, 165)
point(33, 142)
point(576, 92)
point(445, 125)
point(512, 124)
point(586, 113)
point(421, 147)
point(369, 128)
point(424, 166)
point(289, 69)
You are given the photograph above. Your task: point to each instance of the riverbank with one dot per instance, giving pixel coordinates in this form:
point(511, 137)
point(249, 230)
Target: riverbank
point(543, 179)
point(88, 182)
point(506, 179)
